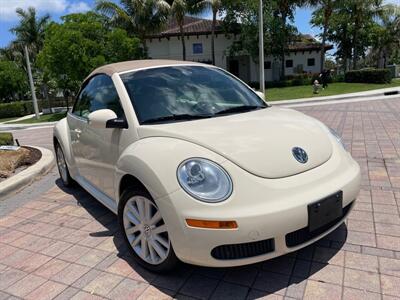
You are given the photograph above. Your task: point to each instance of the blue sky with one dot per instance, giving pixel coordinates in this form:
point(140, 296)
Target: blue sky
point(57, 8)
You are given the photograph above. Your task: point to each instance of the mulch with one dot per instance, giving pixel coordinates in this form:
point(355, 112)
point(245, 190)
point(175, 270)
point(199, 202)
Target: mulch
point(15, 164)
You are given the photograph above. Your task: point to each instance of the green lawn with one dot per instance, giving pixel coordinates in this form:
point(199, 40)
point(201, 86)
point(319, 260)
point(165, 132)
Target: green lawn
point(296, 92)
point(6, 138)
point(42, 118)
point(7, 119)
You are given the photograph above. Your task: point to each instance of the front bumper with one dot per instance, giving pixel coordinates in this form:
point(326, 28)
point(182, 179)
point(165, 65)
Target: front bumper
point(266, 211)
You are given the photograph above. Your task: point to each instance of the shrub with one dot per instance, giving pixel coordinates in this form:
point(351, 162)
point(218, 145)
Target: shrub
point(338, 78)
point(369, 76)
point(16, 109)
point(13, 109)
point(297, 80)
point(6, 138)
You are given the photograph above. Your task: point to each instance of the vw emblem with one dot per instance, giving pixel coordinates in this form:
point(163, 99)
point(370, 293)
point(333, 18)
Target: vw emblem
point(300, 155)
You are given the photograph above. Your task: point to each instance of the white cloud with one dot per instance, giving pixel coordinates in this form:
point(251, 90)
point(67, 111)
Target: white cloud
point(8, 7)
point(78, 7)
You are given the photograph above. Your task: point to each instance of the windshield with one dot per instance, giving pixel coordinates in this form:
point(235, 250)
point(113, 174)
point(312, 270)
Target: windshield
point(180, 93)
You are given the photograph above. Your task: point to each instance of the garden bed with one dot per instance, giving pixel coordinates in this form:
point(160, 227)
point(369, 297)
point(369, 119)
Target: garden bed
point(13, 162)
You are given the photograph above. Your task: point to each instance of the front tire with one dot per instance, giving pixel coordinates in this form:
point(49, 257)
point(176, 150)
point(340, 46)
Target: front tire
point(62, 167)
point(145, 231)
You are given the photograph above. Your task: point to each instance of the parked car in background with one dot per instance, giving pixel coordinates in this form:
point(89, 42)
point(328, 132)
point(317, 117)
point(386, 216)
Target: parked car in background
point(198, 168)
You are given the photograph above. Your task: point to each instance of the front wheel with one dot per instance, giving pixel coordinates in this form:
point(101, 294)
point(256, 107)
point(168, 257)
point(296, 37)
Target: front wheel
point(145, 231)
point(62, 167)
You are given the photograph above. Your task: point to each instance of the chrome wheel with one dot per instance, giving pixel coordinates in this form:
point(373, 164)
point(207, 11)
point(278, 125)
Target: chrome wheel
point(146, 231)
point(62, 165)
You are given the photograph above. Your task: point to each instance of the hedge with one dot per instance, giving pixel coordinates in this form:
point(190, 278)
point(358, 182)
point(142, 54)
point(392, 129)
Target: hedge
point(369, 76)
point(296, 80)
point(23, 108)
point(6, 138)
point(16, 109)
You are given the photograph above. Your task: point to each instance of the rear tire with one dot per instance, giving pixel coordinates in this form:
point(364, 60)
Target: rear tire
point(62, 167)
point(145, 231)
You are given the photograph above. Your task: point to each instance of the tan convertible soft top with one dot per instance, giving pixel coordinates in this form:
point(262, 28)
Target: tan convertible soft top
point(133, 65)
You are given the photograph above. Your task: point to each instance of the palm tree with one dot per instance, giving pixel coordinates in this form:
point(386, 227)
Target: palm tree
point(386, 37)
point(215, 6)
point(324, 10)
point(179, 9)
point(283, 11)
point(362, 11)
point(30, 31)
point(138, 17)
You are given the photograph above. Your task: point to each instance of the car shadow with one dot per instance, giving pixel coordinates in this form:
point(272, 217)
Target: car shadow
point(286, 275)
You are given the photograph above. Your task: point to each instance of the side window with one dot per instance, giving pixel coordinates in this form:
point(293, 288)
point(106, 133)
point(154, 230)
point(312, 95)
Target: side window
point(99, 93)
point(81, 107)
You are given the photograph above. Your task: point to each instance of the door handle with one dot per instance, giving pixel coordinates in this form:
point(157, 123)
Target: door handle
point(78, 133)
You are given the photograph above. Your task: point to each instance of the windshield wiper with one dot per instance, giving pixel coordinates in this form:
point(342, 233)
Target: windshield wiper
point(182, 117)
point(242, 108)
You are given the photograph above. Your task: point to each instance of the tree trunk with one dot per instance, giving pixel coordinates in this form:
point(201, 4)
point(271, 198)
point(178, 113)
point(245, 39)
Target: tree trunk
point(345, 63)
point(283, 49)
point(327, 15)
point(283, 66)
point(355, 38)
point(214, 21)
point(323, 49)
point(144, 44)
point(182, 40)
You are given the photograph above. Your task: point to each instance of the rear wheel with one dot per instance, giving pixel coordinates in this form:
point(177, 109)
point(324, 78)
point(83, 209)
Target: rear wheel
point(62, 167)
point(145, 231)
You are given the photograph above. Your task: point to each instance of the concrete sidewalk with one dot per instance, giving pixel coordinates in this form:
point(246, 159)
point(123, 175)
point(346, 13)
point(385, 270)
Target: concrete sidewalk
point(20, 118)
point(8, 127)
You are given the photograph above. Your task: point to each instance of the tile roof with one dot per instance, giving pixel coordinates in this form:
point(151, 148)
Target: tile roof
point(198, 26)
point(192, 26)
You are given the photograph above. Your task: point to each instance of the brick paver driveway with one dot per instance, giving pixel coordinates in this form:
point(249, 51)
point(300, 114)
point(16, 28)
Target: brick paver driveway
point(66, 245)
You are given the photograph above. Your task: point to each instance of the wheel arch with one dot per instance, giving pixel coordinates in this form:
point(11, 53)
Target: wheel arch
point(61, 137)
point(152, 163)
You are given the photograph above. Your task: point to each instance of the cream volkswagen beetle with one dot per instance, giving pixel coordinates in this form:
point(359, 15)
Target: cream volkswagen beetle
point(199, 169)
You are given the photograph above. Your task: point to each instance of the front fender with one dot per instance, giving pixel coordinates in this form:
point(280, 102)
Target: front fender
point(61, 134)
point(154, 162)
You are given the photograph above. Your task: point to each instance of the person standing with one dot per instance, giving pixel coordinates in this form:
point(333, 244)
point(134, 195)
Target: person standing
point(324, 76)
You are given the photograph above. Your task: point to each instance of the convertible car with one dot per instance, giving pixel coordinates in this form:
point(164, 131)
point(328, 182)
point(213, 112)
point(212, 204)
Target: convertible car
point(199, 168)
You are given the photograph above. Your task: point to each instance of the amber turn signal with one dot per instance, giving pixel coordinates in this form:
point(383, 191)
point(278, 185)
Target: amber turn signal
point(212, 224)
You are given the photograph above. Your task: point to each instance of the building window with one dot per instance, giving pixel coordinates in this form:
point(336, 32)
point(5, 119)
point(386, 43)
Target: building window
point(267, 65)
point(197, 48)
point(311, 62)
point(289, 63)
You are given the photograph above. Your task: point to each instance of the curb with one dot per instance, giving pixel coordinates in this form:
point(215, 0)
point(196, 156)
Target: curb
point(15, 183)
point(362, 95)
point(332, 101)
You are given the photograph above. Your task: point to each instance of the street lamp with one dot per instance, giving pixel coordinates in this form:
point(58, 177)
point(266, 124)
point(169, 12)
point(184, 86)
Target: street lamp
point(261, 46)
point(28, 67)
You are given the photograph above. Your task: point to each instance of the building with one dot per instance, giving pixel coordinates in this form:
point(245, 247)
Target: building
point(304, 55)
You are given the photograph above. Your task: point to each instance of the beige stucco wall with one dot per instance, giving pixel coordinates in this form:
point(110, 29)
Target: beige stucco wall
point(172, 49)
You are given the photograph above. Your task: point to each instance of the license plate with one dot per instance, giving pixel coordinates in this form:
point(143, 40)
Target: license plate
point(324, 211)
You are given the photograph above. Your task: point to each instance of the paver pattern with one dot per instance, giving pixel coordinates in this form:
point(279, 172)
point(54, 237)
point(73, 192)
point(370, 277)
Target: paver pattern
point(65, 245)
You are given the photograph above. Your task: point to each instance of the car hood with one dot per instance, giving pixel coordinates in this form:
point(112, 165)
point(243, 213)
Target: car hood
point(260, 142)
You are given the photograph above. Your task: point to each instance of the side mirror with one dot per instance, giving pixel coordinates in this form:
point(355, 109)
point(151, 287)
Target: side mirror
point(100, 118)
point(261, 95)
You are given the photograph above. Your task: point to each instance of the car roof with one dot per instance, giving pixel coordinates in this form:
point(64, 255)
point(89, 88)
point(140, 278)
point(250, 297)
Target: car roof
point(133, 65)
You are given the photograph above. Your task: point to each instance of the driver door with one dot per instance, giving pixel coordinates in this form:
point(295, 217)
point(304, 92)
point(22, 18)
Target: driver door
point(96, 150)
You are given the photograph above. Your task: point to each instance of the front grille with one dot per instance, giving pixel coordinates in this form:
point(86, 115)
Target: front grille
point(244, 250)
point(303, 235)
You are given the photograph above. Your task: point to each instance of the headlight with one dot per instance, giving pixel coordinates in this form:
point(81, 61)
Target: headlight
point(204, 180)
point(337, 137)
